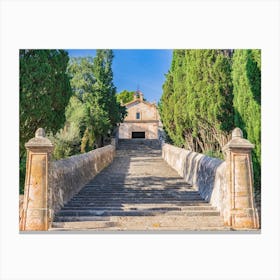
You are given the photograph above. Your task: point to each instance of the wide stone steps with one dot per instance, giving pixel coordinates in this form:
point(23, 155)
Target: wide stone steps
point(140, 223)
point(144, 208)
point(76, 214)
point(138, 191)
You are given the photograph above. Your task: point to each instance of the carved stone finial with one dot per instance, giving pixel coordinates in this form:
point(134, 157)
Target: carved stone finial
point(238, 141)
point(40, 140)
point(40, 132)
point(237, 133)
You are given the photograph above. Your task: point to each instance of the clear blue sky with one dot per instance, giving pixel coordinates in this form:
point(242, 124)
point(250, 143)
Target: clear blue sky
point(132, 68)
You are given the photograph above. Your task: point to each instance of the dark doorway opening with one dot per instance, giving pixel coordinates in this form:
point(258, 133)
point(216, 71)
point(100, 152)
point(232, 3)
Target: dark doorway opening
point(138, 134)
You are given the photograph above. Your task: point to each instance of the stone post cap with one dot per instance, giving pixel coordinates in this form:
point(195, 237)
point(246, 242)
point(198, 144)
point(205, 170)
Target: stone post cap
point(40, 132)
point(39, 141)
point(237, 133)
point(238, 141)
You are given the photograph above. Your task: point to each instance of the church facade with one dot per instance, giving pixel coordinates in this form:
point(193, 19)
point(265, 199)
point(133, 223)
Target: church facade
point(142, 120)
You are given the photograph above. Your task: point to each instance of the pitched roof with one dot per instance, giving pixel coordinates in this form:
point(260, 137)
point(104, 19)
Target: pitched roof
point(138, 100)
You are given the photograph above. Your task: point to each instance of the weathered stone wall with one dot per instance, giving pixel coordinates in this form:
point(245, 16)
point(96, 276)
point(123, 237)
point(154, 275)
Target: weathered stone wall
point(206, 174)
point(150, 129)
point(147, 111)
point(220, 190)
point(68, 176)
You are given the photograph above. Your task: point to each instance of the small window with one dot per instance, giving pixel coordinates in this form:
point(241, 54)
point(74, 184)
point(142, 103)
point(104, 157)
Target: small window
point(137, 116)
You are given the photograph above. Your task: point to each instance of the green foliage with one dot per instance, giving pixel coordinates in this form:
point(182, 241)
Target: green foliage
point(44, 93)
point(76, 113)
point(125, 96)
point(206, 94)
point(88, 99)
point(166, 106)
point(246, 77)
point(66, 141)
point(196, 105)
point(215, 154)
point(105, 89)
point(94, 108)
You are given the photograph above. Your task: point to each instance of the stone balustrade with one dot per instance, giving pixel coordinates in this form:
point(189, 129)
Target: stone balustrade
point(68, 176)
point(49, 184)
point(205, 173)
point(227, 185)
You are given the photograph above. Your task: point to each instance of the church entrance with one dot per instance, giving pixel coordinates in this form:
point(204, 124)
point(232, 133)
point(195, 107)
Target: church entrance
point(138, 134)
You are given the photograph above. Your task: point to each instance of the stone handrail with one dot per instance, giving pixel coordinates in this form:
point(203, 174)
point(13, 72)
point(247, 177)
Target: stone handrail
point(227, 185)
point(204, 173)
point(49, 184)
point(68, 176)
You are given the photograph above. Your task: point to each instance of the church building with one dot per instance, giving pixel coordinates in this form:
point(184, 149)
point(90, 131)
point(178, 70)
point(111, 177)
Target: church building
point(142, 120)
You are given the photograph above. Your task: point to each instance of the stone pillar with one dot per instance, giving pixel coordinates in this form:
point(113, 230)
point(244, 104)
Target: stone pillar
point(241, 212)
point(35, 204)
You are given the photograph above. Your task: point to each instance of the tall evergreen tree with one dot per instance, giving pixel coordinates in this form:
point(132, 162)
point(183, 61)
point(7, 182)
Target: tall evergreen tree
point(89, 108)
point(44, 93)
point(92, 82)
point(105, 89)
point(246, 76)
point(209, 97)
point(166, 104)
point(196, 105)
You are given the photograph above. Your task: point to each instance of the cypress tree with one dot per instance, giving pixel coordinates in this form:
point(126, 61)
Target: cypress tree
point(196, 105)
point(209, 98)
point(246, 77)
point(44, 93)
point(104, 86)
point(166, 107)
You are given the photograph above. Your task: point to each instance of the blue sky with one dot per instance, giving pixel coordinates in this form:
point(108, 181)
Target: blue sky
point(132, 68)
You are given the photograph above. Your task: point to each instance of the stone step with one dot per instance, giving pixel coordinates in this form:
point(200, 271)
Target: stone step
point(142, 207)
point(136, 181)
point(131, 182)
point(135, 196)
point(143, 223)
point(132, 200)
point(137, 201)
point(138, 190)
point(139, 186)
point(117, 204)
point(78, 216)
point(93, 213)
point(132, 196)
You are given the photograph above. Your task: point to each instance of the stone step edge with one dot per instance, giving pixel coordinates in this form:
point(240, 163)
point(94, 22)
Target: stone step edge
point(181, 218)
point(80, 213)
point(120, 203)
point(127, 225)
point(151, 208)
point(167, 229)
point(100, 216)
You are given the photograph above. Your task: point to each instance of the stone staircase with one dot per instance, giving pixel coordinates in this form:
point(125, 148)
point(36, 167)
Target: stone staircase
point(138, 191)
